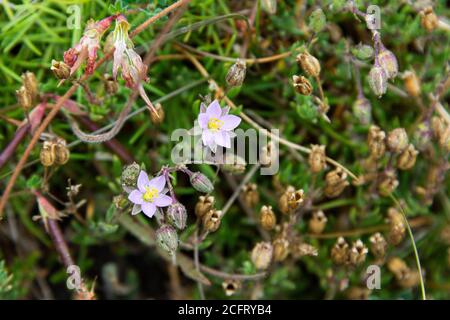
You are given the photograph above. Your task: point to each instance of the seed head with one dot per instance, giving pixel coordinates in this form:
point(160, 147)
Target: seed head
point(203, 205)
point(317, 158)
point(317, 222)
point(24, 98)
point(60, 69)
point(358, 253)
point(302, 85)
point(267, 218)
point(250, 194)
point(377, 142)
point(335, 182)
point(261, 255)
point(340, 252)
point(407, 159)
point(280, 249)
point(428, 19)
point(378, 245)
point(47, 154)
point(236, 74)
point(31, 84)
point(211, 220)
point(309, 64)
point(397, 140)
point(397, 227)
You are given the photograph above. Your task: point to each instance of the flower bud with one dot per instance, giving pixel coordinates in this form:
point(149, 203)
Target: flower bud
point(388, 183)
point(317, 222)
point(60, 69)
point(376, 141)
point(167, 238)
point(358, 253)
point(378, 245)
point(302, 85)
point(397, 227)
point(177, 215)
point(407, 158)
point(363, 52)
point(230, 286)
point(340, 252)
point(280, 249)
point(267, 218)
point(47, 154)
point(397, 140)
point(211, 220)
point(261, 255)
point(309, 64)
point(428, 19)
point(236, 74)
point(201, 183)
point(233, 163)
point(157, 117)
point(362, 110)
point(129, 176)
point(31, 84)
point(62, 153)
point(24, 98)
point(378, 80)
point(388, 62)
point(412, 83)
point(110, 84)
point(203, 205)
point(317, 158)
point(250, 195)
point(336, 181)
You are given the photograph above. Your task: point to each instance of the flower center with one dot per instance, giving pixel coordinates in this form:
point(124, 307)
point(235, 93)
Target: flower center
point(214, 124)
point(150, 194)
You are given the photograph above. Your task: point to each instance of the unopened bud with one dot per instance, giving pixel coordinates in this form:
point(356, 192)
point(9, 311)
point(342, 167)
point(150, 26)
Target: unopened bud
point(267, 218)
point(261, 255)
point(62, 153)
point(203, 205)
point(201, 183)
point(177, 215)
point(47, 154)
point(388, 62)
point(397, 140)
point(309, 64)
point(60, 69)
point(378, 80)
point(412, 83)
point(428, 19)
point(130, 174)
point(317, 20)
point(236, 74)
point(317, 222)
point(31, 84)
point(378, 245)
point(157, 117)
point(363, 52)
point(317, 158)
point(250, 194)
point(407, 158)
point(167, 238)
point(340, 252)
point(280, 249)
point(358, 253)
point(110, 84)
point(211, 220)
point(302, 85)
point(362, 110)
point(24, 98)
point(336, 181)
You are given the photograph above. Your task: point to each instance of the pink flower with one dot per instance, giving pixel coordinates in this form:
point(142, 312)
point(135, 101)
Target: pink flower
point(88, 46)
point(217, 125)
point(149, 195)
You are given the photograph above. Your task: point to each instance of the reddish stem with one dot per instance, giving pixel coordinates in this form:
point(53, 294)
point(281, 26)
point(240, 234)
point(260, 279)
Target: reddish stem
point(12, 146)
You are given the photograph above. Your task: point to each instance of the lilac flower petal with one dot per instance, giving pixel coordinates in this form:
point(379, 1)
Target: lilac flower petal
point(136, 209)
point(203, 119)
point(136, 197)
point(149, 209)
point(230, 122)
point(159, 183)
point(225, 111)
point(202, 107)
point(207, 137)
point(163, 201)
point(223, 139)
point(142, 181)
point(214, 109)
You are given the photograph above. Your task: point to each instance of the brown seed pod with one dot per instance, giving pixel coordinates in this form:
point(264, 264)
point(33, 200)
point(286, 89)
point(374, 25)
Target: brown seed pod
point(317, 158)
point(309, 64)
point(302, 85)
point(158, 117)
point(340, 252)
point(267, 218)
point(280, 249)
point(211, 220)
point(317, 222)
point(250, 195)
point(261, 255)
point(47, 154)
point(62, 153)
point(203, 205)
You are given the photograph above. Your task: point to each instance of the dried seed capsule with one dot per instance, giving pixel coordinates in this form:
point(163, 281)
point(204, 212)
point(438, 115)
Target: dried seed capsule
point(336, 181)
point(302, 85)
point(201, 183)
point(362, 109)
point(317, 222)
point(407, 158)
point(231, 286)
point(280, 249)
point(422, 136)
point(301, 249)
point(358, 253)
point(211, 220)
point(378, 245)
point(203, 205)
point(233, 164)
point(236, 74)
point(177, 215)
point(357, 293)
point(62, 153)
point(31, 84)
point(60, 69)
point(397, 140)
point(267, 218)
point(388, 62)
point(157, 117)
point(388, 183)
point(24, 98)
point(428, 19)
point(283, 201)
point(167, 238)
point(441, 131)
point(412, 83)
point(378, 80)
point(47, 154)
point(110, 84)
point(397, 227)
point(250, 195)
point(377, 142)
point(309, 64)
point(317, 158)
point(398, 267)
point(261, 255)
point(340, 252)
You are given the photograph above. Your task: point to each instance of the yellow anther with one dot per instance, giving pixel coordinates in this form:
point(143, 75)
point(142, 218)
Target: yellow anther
point(150, 194)
point(215, 124)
